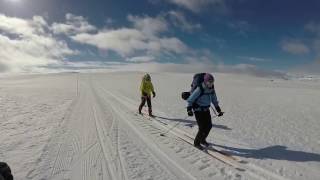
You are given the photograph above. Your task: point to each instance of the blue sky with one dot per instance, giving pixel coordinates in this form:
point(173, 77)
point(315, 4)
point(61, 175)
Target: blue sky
point(182, 35)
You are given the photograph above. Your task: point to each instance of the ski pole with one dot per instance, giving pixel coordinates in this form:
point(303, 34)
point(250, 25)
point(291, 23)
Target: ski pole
point(214, 111)
point(163, 134)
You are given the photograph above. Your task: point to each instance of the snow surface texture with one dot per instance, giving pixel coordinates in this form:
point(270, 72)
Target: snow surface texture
point(51, 130)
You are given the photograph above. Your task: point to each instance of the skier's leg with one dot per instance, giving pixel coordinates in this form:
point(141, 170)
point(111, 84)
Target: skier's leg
point(149, 105)
point(207, 126)
point(201, 132)
point(143, 101)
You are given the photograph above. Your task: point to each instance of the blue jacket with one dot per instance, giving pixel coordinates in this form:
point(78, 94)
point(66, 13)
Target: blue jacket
point(208, 97)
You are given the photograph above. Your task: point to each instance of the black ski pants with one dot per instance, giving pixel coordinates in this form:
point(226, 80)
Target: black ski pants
point(143, 101)
point(204, 123)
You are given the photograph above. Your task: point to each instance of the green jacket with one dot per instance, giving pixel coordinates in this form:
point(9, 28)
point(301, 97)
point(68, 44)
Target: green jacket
point(146, 87)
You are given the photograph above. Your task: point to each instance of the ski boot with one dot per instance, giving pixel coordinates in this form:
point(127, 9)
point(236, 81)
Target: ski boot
point(198, 146)
point(205, 143)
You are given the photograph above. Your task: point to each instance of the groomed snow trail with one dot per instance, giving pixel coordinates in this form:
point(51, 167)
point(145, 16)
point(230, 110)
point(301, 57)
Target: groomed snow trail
point(49, 131)
point(102, 139)
point(251, 170)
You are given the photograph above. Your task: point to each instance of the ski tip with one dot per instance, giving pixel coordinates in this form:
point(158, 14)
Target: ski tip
point(240, 169)
point(243, 162)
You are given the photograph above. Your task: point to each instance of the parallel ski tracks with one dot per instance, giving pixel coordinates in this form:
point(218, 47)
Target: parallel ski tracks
point(251, 169)
point(99, 155)
point(158, 155)
point(194, 157)
point(86, 150)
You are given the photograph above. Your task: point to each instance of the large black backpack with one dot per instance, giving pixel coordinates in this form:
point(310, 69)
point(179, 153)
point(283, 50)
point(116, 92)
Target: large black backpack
point(196, 82)
point(5, 172)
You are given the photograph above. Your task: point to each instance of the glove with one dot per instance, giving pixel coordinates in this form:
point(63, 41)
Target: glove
point(220, 113)
point(154, 94)
point(189, 110)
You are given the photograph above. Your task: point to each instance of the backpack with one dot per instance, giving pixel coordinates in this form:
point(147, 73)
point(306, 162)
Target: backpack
point(196, 82)
point(5, 171)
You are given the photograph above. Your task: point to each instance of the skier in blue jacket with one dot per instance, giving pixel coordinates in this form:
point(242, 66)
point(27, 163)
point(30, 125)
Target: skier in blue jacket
point(199, 102)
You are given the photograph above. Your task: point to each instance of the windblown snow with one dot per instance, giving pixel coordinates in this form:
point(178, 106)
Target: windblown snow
point(85, 126)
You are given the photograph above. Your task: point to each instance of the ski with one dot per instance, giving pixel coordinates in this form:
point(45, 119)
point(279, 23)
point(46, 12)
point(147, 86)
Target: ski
point(144, 115)
point(210, 148)
point(217, 155)
point(154, 117)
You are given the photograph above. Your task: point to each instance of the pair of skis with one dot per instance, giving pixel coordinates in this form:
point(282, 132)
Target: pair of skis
point(224, 157)
point(153, 117)
point(221, 156)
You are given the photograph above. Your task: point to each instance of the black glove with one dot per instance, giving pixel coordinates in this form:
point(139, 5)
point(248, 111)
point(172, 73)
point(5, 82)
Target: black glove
point(189, 110)
point(220, 113)
point(154, 94)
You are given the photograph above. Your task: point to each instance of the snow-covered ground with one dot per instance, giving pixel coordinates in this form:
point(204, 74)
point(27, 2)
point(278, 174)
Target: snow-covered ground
point(50, 129)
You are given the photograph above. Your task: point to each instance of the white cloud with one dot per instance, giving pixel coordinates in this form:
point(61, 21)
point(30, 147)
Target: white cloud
point(25, 45)
point(127, 41)
point(254, 59)
point(316, 46)
point(313, 27)
point(144, 36)
point(294, 47)
point(314, 40)
point(193, 66)
point(310, 68)
point(242, 27)
point(179, 20)
point(198, 5)
point(140, 59)
point(250, 70)
point(148, 25)
point(172, 45)
point(21, 27)
point(73, 25)
point(123, 41)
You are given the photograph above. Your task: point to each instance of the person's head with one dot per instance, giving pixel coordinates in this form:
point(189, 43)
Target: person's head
point(147, 77)
point(208, 80)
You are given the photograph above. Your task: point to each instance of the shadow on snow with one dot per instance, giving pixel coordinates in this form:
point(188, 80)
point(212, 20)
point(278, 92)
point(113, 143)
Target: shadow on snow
point(191, 123)
point(277, 152)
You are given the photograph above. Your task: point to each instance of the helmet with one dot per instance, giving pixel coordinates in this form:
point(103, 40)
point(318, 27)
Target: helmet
point(208, 80)
point(147, 77)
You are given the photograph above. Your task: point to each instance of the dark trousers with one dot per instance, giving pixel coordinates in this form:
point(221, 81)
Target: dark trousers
point(204, 123)
point(143, 101)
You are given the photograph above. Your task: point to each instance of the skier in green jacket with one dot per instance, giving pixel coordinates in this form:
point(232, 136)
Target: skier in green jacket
point(147, 90)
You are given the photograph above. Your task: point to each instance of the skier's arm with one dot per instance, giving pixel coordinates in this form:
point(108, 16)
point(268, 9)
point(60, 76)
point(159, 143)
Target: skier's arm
point(152, 90)
point(193, 96)
point(214, 99)
point(215, 102)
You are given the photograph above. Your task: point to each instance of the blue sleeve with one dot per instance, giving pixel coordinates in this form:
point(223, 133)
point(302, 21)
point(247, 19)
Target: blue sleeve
point(195, 94)
point(214, 99)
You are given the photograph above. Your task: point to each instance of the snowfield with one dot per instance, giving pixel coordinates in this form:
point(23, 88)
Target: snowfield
point(85, 126)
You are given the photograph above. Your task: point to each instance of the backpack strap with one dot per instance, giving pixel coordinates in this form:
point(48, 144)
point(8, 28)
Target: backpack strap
point(195, 105)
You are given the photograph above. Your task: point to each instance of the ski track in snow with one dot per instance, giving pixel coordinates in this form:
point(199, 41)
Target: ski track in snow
point(102, 133)
point(99, 135)
point(253, 170)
